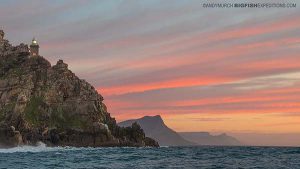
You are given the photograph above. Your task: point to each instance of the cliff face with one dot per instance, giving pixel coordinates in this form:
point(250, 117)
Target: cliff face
point(40, 102)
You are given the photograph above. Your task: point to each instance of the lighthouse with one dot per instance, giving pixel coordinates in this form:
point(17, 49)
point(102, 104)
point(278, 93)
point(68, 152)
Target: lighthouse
point(34, 48)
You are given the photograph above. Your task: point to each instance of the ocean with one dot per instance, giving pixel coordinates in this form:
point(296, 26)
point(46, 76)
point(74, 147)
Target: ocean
point(41, 157)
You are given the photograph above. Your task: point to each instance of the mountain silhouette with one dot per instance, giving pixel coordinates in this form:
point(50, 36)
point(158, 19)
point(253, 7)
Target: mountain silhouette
point(205, 138)
point(155, 127)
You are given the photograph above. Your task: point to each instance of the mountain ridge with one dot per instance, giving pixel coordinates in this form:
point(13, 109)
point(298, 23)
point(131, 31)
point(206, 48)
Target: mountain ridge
point(205, 138)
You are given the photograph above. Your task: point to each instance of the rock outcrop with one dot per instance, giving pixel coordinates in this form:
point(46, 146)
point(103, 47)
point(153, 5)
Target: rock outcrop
point(40, 102)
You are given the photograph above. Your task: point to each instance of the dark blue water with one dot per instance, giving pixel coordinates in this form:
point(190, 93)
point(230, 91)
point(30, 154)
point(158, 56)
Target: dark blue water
point(164, 157)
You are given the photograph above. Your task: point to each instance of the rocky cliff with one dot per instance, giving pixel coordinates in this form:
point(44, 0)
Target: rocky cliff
point(40, 102)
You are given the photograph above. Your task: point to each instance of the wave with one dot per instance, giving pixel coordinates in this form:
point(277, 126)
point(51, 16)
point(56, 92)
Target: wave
point(41, 147)
point(164, 146)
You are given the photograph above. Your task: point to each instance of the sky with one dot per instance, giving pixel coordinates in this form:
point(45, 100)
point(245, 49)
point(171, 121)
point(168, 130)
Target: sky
point(201, 69)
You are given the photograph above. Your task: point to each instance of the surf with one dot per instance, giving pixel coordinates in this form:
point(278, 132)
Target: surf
point(41, 147)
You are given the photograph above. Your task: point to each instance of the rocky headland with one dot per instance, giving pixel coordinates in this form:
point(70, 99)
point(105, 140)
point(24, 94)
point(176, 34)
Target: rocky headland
point(40, 102)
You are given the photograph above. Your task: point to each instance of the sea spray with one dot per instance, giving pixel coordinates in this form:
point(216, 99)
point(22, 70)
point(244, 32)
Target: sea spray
point(26, 148)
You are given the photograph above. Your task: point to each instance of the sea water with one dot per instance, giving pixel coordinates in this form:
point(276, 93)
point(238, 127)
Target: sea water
point(164, 157)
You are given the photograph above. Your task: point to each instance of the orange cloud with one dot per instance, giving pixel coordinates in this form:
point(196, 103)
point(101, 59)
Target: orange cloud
point(174, 83)
point(248, 98)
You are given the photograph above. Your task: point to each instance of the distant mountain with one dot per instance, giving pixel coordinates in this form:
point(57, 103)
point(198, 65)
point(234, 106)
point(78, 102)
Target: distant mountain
point(155, 127)
point(268, 139)
point(205, 138)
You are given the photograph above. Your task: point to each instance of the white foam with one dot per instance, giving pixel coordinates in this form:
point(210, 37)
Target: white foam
point(39, 148)
point(163, 146)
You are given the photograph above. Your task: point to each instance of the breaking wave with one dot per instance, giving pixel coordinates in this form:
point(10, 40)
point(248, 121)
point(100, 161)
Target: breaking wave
point(41, 147)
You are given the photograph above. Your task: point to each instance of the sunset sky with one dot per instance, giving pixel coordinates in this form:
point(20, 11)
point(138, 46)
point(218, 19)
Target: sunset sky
point(201, 69)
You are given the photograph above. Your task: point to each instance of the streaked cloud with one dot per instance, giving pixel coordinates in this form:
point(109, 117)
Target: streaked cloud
point(220, 67)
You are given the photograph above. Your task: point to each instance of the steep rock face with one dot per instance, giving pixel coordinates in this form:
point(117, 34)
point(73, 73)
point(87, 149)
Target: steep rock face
point(40, 102)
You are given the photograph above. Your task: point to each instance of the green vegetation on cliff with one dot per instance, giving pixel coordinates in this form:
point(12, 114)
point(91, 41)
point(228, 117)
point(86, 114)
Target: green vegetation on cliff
point(63, 120)
point(32, 112)
point(5, 109)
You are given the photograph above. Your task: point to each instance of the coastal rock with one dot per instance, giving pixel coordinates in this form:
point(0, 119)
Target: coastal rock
point(51, 104)
point(10, 137)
